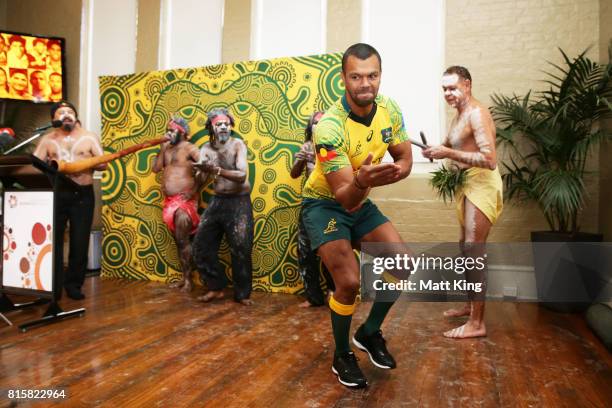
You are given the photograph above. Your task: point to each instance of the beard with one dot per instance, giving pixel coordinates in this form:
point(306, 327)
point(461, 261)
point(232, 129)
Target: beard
point(363, 102)
point(223, 137)
point(68, 122)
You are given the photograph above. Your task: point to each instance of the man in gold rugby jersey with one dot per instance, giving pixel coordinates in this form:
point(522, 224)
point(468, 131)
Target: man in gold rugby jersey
point(350, 142)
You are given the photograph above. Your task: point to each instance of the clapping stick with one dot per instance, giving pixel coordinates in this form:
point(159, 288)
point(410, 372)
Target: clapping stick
point(424, 145)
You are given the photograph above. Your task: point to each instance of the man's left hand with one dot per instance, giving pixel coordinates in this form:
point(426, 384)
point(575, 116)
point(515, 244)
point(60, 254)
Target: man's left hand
point(207, 167)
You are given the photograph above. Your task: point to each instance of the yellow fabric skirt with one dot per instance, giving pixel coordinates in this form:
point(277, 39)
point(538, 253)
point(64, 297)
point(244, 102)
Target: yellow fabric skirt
point(484, 188)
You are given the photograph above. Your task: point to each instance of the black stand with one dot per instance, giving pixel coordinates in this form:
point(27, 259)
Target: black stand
point(7, 305)
point(53, 314)
point(33, 174)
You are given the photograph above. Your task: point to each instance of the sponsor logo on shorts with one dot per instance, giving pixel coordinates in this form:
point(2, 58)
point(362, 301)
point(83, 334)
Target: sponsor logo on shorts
point(331, 227)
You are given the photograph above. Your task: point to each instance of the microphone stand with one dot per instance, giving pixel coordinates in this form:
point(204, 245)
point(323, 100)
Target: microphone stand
point(40, 130)
point(12, 149)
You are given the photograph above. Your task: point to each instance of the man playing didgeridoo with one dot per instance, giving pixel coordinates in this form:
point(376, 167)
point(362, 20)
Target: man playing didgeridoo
point(71, 143)
point(176, 158)
point(350, 142)
point(470, 145)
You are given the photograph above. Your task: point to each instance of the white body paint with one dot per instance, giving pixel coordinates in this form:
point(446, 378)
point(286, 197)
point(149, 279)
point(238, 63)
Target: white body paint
point(480, 135)
point(450, 80)
point(470, 222)
point(471, 117)
point(67, 153)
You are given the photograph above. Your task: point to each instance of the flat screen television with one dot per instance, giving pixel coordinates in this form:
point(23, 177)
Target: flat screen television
point(31, 67)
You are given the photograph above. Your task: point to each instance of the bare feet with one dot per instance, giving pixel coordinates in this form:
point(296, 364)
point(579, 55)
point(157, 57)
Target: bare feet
point(177, 285)
point(184, 285)
point(468, 330)
point(211, 295)
point(246, 302)
point(305, 304)
point(465, 311)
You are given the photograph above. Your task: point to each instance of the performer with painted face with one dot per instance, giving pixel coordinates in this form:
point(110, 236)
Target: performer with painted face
point(72, 143)
point(176, 158)
point(307, 258)
point(470, 144)
point(229, 213)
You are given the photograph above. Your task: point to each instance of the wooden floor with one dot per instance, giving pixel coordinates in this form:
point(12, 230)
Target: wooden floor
point(143, 344)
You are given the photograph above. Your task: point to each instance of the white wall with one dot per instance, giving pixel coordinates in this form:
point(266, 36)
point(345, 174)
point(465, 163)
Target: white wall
point(191, 33)
point(410, 40)
point(281, 28)
point(409, 35)
point(108, 47)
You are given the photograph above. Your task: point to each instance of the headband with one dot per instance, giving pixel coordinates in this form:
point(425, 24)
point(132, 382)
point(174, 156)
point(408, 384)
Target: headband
point(175, 126)
point(218, 118)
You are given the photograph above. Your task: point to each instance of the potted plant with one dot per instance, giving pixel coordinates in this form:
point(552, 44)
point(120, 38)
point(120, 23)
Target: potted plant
point(547, 137)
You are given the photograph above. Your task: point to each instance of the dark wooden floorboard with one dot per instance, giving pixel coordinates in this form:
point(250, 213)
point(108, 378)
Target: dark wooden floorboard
point(141, 344)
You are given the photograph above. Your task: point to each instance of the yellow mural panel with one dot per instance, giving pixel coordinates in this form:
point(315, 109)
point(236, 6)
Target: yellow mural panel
point(271, 101)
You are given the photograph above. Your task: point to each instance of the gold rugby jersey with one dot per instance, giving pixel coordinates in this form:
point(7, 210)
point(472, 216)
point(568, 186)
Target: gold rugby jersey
point(344, 139)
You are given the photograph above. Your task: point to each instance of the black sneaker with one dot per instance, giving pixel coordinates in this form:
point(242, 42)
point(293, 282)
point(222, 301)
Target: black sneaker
point(374, 345)
point(346, 368)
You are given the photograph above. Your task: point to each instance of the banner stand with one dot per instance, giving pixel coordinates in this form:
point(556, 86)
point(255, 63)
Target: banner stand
point(7, 305)
point(33, 185)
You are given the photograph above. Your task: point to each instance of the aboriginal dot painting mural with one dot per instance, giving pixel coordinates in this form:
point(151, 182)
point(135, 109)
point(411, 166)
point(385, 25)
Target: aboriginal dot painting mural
point(271, 101)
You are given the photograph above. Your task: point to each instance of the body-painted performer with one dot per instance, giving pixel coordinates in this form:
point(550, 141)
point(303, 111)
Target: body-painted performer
point(307, 258)
point(229, 213)
point(470, 145)
point(72, 143)
point(179, 184)
point(350, 142)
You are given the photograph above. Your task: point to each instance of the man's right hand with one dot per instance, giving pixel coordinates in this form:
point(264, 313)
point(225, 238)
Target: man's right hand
point(164, 145)
point(370, 175)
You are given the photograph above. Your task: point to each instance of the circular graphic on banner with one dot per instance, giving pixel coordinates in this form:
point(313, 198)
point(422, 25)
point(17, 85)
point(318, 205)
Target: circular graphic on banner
point(42, 257)
point(24, 265)
point(38, 233)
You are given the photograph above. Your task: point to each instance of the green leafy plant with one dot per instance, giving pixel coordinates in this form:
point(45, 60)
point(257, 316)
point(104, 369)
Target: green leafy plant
point(446, 181)
point(549, 135)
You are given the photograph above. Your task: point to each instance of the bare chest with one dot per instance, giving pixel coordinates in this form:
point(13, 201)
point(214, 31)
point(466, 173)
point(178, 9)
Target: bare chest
point(70, 148)
point(177, 156)
point(224, 158)
point(460, 131)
